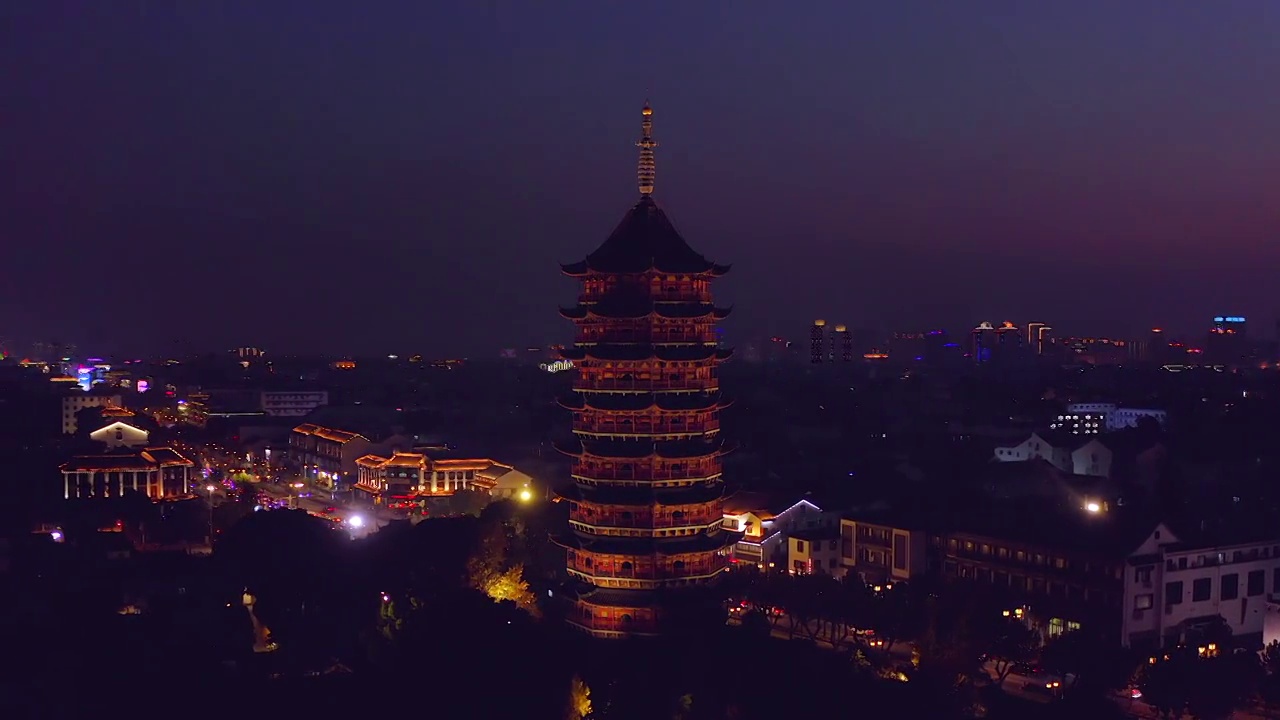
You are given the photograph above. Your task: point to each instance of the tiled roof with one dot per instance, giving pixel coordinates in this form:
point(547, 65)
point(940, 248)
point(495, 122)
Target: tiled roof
point(166, 456)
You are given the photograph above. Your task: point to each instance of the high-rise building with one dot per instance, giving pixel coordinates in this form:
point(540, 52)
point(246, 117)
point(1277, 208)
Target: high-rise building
point(647, 505)
point(1037, 337)
point(846, 343)
point(817, 346)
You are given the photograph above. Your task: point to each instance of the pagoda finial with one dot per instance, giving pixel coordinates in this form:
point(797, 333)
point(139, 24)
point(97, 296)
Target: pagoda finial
point(645, 172)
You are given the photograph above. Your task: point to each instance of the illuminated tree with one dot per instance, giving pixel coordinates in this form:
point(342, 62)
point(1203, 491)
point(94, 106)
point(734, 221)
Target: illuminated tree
point(579, 705)
point(1008, 642)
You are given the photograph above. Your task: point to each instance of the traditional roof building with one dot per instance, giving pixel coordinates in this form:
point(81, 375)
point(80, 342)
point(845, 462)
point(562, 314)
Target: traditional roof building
point(646, 511)
point(157, 472)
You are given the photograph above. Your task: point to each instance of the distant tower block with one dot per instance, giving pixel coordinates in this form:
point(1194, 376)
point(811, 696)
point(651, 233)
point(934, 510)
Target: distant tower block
point(846, 343)
point(816, 345)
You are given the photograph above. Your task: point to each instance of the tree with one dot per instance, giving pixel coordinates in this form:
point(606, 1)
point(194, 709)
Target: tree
point(1007, 642)
point(579, 704)
point(468, 502)
point(1088, 662)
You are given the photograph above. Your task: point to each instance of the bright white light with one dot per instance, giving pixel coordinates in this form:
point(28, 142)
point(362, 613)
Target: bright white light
point(57, 536)
point(355, 521)
point(1093, 507)
point(209, 488)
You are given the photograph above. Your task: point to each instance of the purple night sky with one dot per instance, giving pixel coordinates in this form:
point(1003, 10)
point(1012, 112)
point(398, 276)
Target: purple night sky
point(405, 176)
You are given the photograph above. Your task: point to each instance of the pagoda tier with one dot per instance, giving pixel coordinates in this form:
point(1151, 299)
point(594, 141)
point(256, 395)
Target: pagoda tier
point(617, 613)
point(635, 355)
point(702, 448)
point(647, 510)
point(612, 310)
point(644, 241)
point(643, 403)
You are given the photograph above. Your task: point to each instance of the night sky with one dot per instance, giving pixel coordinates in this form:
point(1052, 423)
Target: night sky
point(379, 176)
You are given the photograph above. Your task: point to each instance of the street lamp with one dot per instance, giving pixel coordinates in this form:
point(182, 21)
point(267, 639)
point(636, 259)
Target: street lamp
point(526, 495)
point(210, 488)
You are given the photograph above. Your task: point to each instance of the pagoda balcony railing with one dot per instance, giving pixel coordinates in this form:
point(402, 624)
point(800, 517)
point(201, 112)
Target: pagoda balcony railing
point(686, 295)
point(647, 336)
point(698, 384)
point(689, 572)
point(606, 425)
point(693, 471)
point(613, 627)
point(644, 520)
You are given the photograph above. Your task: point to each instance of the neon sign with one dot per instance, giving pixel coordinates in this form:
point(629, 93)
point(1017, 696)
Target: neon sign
point(557, 366)
point(1229, 318)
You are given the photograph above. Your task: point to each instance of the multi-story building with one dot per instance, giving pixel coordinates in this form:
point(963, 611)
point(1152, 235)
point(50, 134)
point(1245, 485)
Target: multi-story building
point(75, 401)
point(328, 456)
point(292, 403)
point(1064, 583)
point(156, 472)
point(881, 551)
point(764, 524)
point(646, 511)
point(1173, 589)
point(408, 476)
point(812, 552)
point(1094, 417)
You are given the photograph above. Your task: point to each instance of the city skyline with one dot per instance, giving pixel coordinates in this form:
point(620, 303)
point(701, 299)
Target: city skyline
point(367, 182)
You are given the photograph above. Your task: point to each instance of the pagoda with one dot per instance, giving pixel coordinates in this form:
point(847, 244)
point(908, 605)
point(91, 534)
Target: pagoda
point(646, 507)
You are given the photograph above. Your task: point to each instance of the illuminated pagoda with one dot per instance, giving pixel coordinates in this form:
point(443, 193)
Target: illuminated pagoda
point(646, 509)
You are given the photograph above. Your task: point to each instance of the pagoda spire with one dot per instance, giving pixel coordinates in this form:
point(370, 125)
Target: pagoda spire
point(645, 170)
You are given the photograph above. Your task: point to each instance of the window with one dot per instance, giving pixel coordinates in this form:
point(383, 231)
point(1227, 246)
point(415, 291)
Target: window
point(1275, 581)
point(1257, 582)
point(1201, 589)
point(1144, 602)
point(1173, 593)
point(1230, 587)
point(799, 546)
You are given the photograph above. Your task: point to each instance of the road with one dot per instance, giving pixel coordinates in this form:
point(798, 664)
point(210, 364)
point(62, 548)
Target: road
point(374, 518)
point(1030, 688)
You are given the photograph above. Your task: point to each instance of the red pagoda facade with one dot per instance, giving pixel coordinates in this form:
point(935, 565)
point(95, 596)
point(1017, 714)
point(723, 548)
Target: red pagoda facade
point(646, 509)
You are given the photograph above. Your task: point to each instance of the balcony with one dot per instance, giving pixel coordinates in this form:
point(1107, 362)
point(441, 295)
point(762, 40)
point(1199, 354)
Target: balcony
point(647, 573)
point(638, 474)
point(601, 424)
point(642, 518)
point(613, 627)
point(589, 383)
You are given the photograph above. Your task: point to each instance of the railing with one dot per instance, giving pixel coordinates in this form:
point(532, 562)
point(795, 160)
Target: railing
point(586, 382)
point(644, 521)
point(700, 471)
point(680, 295)
point(609, 426)
point(650, 572)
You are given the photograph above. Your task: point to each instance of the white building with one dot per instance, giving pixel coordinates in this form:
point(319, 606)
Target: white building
point(1130, 417)
point(1096, 417)
point(765, 525)
point(293, 403)
point(1172, 589)
point(77, 401)
point(1077, 455)
point(121, 435)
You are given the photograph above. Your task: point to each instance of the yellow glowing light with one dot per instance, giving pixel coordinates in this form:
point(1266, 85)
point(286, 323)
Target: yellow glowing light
point(1093, 507)
point(526, 495)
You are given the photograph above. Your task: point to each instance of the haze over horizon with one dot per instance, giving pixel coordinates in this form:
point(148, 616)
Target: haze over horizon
point(406, 177)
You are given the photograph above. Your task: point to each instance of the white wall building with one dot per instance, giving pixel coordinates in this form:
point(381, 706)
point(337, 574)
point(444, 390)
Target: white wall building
point(77, 401)
point(1096, 417)
point(293, 403)
point(121, 435)
point(1171, 589)
point(765, 526)
point(1086, 456)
